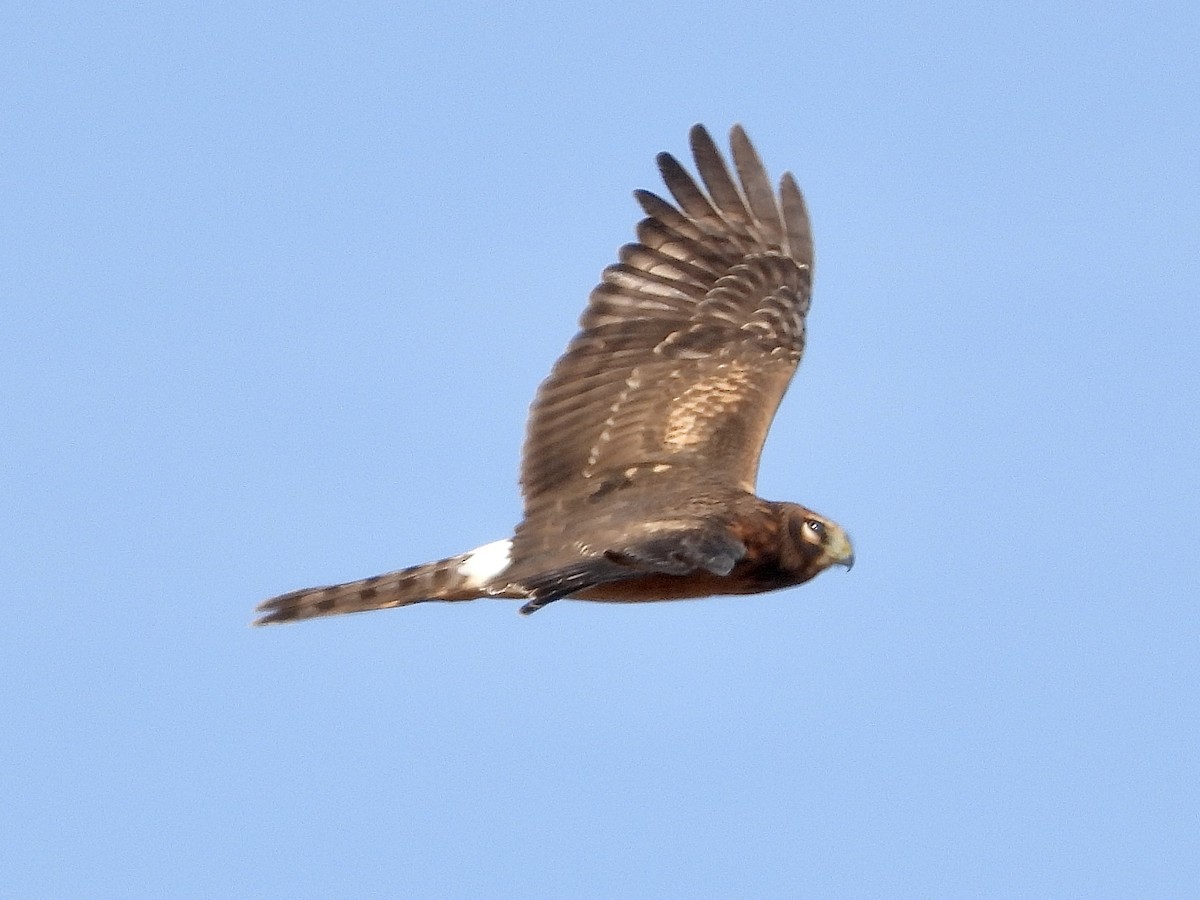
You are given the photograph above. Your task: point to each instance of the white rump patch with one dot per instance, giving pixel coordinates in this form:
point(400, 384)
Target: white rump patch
point(485, 563)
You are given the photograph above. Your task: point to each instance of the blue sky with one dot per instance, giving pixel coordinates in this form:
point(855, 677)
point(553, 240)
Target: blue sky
point(279, 284)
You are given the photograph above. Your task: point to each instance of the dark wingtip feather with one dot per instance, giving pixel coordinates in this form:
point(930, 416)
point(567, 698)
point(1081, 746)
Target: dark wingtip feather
point(795, 220)
point(725, 194)
point(698, 133)
point(756, 186)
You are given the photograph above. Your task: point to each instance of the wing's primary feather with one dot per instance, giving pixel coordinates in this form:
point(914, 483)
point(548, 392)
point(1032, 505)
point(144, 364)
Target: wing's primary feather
point(764, 210)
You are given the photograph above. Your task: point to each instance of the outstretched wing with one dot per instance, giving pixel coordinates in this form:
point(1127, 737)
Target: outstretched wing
point(687, 344)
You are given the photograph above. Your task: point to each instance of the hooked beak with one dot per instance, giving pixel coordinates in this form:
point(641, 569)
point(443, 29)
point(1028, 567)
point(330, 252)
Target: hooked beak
point(842, 551)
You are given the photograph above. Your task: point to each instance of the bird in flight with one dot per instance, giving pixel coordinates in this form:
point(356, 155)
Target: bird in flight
point(642, 447)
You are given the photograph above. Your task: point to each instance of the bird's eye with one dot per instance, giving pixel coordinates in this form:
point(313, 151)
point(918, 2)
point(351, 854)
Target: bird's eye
point(817, 528)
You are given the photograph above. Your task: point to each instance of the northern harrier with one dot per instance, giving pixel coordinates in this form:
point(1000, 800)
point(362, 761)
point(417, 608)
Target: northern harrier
point(642, 446)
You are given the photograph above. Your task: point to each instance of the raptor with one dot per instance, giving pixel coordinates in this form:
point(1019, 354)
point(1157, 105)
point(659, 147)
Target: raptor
point(642, 448)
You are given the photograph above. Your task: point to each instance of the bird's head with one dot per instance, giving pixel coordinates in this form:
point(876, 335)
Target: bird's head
point(815, 544)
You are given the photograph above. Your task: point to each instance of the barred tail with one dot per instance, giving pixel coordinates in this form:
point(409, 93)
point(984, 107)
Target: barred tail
point(455, 578)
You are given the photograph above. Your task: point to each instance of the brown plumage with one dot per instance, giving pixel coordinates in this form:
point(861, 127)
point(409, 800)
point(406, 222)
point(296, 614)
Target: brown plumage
point(642, 448)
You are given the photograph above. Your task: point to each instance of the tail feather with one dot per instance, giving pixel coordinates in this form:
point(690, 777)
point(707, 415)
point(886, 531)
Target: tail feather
point(441, 580)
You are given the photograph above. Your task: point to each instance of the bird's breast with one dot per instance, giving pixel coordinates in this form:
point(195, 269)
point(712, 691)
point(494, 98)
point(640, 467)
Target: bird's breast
point(669, 587)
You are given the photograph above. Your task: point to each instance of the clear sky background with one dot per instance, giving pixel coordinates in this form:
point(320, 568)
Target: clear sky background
point(278, 284)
